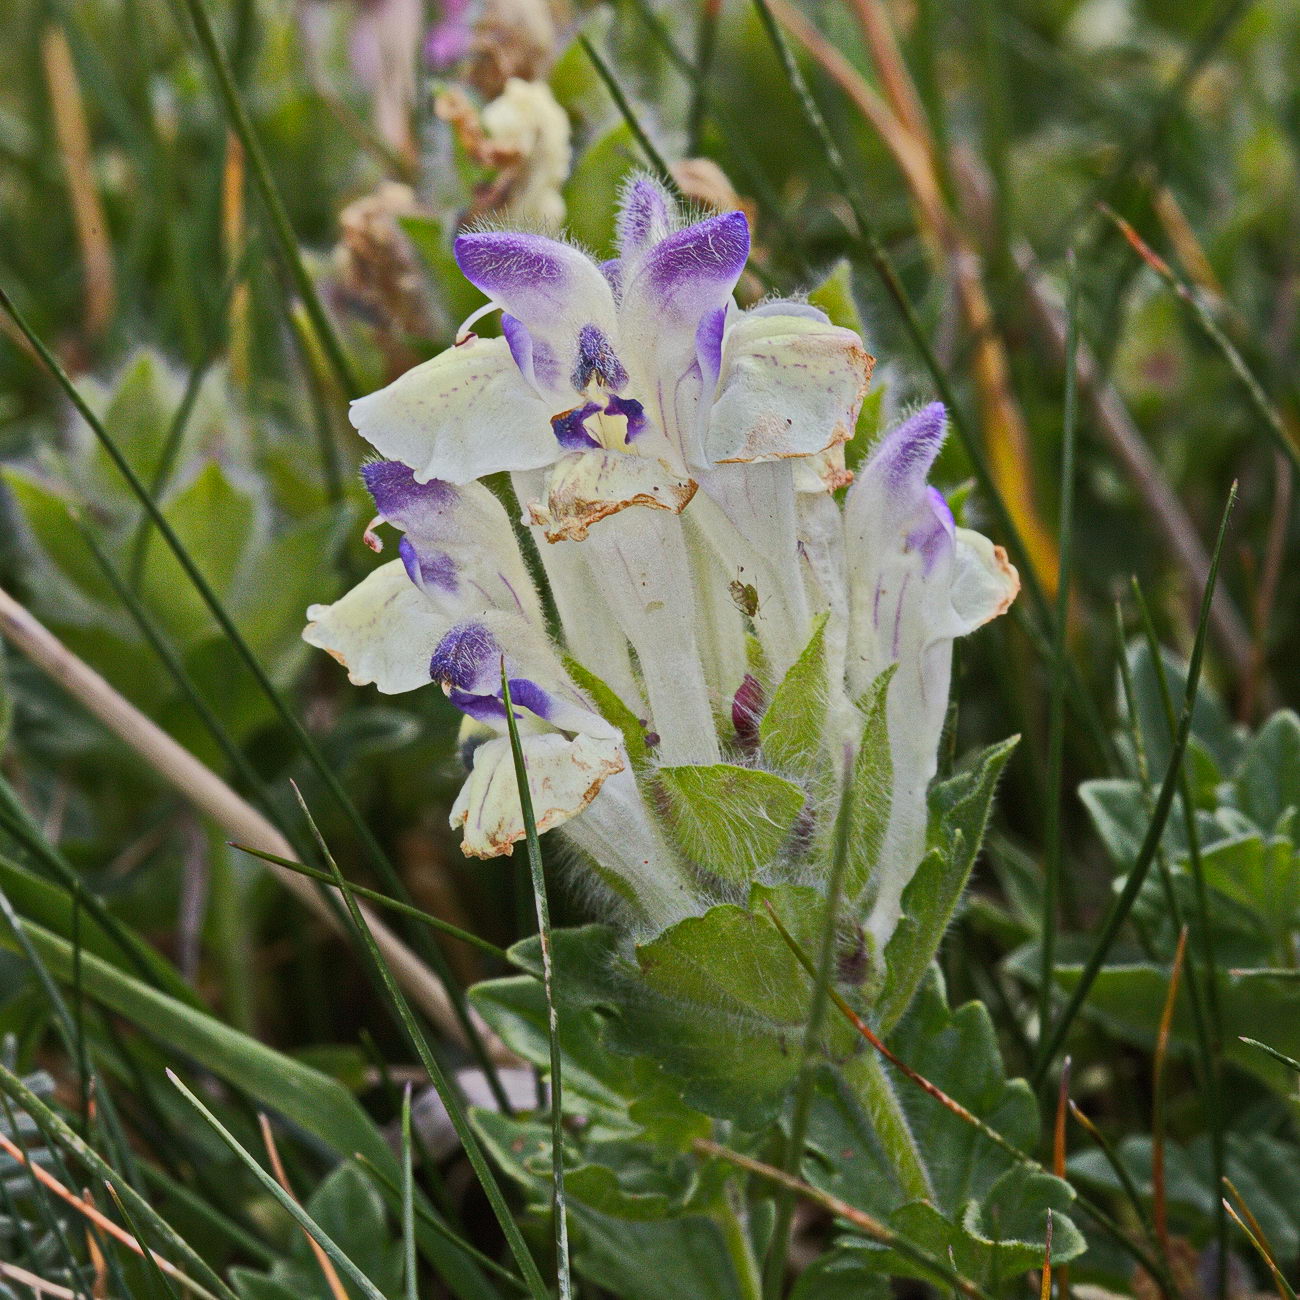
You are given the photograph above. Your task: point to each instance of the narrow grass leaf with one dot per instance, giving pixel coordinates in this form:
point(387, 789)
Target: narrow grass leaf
point(559, 1207)
point(300, 1216)
point(446, 1090)
point(56, 1128)
point(1060, 652)
point(1122, 905)
point(384, 900)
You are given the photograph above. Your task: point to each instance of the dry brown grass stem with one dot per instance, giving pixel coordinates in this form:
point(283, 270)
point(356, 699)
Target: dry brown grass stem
point(95, 1216)
point(332, 1279)
point(73, 137)
point(212, 797)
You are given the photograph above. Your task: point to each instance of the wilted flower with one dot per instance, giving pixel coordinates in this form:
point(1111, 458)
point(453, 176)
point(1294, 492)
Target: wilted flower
point(675, 459)
point(523, 136)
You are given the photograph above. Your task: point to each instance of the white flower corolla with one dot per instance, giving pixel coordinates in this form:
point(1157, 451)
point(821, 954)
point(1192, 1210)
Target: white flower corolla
point(454, 607)
point(916, 582)
point(676, 460)
point(630, 384)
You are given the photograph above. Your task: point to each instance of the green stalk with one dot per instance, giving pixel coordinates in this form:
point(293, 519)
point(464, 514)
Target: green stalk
point(559, 1207)
point(876, 1094)
point(1060, 648)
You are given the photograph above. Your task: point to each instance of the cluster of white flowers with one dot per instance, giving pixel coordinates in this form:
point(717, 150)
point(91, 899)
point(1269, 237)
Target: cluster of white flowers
point(675, 459)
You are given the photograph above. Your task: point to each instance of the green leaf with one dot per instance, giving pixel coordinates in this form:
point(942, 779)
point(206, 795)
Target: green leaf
point(347, 1205)
point(732, 820)
point(792, 732)
point(280, 580)
point(981, 1193)
point(1129, 999)
point(732, 1004)
point(215, 523)
point(1211, 725)
point(318, 1105)
point(717, 1002)
point(1261, 1165)
point(871, 789)
point(614, 711)
point(1268, 781)
point(959, 813)
point(1261, 877)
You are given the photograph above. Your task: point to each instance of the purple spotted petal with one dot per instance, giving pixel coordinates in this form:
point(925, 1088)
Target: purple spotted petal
point(646, 216)
point(613, 273)
point(467, 659)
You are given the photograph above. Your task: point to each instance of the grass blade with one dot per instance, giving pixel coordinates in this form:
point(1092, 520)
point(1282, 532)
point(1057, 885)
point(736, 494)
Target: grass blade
point(281, 230)
point(559, 1207)
point(1118, 913)
point(374, 896)
point(445, 1088)
point(409, 1267)
point(774, 1266)
point(431, 953)
point(610, 82)
point(304, 1220)
point(1265, 409)
point(1060, 649)
point(53, 1126)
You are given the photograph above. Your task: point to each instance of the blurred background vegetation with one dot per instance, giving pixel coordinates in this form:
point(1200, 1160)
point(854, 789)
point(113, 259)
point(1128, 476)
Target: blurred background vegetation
point(979, 147)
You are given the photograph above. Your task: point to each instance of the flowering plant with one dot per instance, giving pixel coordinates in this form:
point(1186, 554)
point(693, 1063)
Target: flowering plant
point(737, 709)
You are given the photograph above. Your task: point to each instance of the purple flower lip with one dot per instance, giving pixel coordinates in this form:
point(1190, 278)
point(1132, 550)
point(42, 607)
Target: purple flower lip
point(906, 454)
point(647, 215)
point(503, 263)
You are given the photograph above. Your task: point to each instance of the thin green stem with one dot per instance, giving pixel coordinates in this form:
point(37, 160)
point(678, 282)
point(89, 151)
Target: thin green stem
point(559, 1207)
point(774, 1270)
point(281, 229)
point(1118, 913)
point(1060, 651)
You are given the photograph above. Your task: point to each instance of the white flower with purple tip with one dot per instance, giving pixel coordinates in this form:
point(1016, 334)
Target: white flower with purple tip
point(455, 605)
